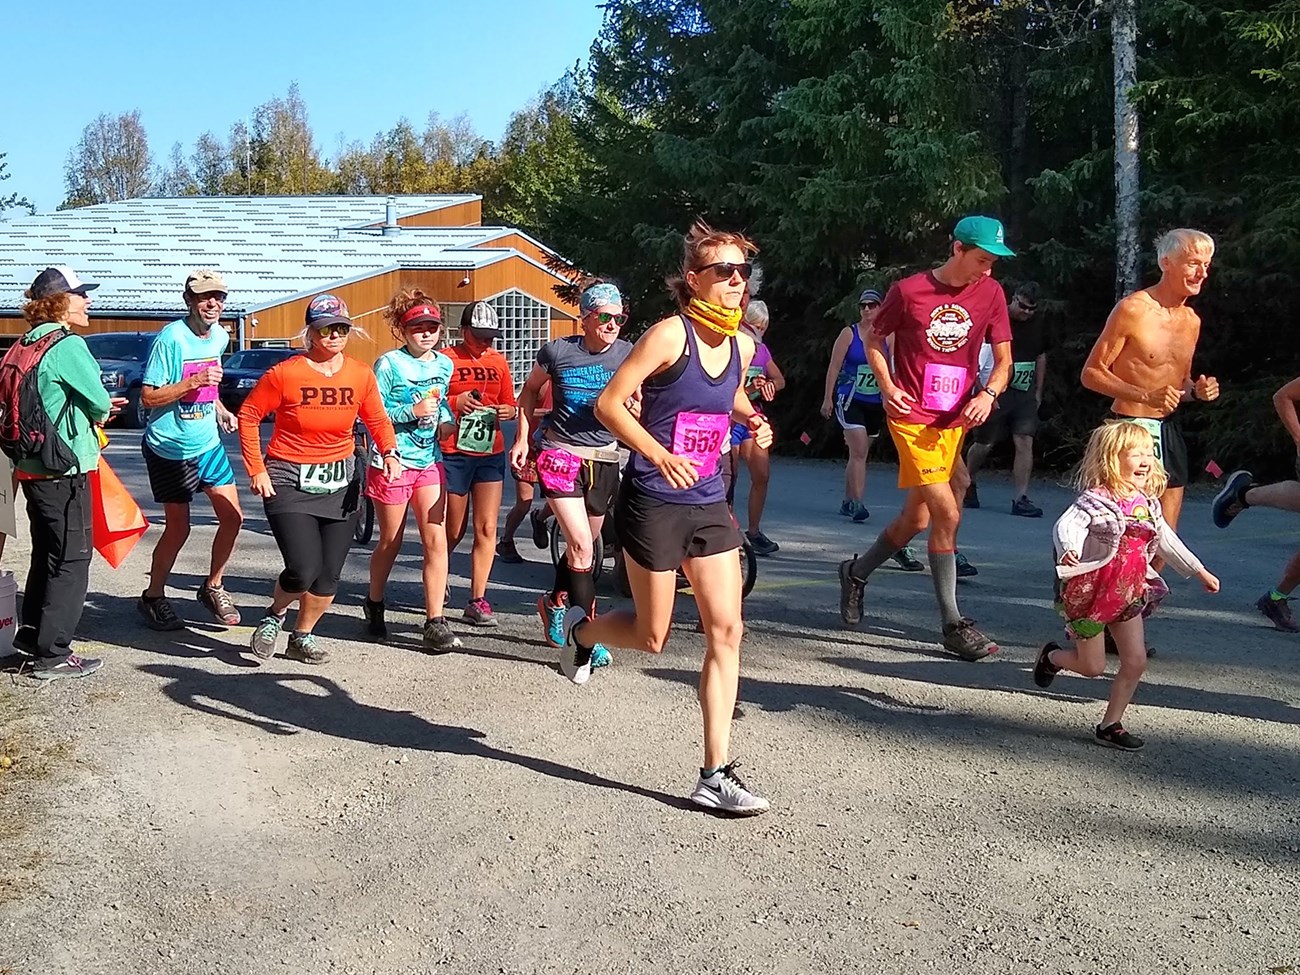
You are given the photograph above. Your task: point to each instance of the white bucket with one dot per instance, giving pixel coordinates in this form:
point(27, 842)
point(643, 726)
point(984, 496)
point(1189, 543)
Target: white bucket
point(8, 612)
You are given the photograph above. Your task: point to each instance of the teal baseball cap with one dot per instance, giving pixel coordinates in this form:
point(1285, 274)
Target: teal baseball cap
point(986, 233)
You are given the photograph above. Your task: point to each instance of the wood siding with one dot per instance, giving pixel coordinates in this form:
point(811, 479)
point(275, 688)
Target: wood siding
point(468, 214)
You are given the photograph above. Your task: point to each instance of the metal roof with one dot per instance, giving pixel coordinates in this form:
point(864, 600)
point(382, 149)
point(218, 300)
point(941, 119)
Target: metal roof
point(269, 248)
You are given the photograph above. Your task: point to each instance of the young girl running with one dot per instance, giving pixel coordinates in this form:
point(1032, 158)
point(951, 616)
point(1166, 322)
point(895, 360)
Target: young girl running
point(1105, 543)
point(413, 381)
point(671, 509)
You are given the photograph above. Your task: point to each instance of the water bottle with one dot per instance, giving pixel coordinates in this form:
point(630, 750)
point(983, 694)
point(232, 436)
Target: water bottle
point(431, 421)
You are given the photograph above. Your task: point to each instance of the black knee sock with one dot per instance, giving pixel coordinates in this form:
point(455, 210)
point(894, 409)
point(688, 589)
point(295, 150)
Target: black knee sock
point(563, 582)
point(582, 589)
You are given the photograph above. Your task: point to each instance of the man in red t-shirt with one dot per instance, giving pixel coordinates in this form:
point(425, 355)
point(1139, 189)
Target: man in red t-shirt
point(936, 322)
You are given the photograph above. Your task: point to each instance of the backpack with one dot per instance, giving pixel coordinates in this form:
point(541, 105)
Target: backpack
point(27, 432)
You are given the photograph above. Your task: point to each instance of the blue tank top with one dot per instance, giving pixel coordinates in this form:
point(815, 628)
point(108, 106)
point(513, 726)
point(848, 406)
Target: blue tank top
point(854, 358)
point(682, 412)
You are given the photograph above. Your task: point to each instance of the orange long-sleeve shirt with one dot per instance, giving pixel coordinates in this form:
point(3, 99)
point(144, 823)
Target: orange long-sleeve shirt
point(314, 414)
point(489, 373)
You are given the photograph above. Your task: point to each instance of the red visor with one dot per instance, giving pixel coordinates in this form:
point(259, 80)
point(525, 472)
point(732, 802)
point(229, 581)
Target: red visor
point(422, 313)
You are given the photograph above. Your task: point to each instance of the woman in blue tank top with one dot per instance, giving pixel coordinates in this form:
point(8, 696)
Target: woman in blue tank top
point(672, 510)
point(851, 394)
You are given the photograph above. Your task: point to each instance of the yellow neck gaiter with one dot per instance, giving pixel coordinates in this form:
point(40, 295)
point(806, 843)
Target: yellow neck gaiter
point(723, 320)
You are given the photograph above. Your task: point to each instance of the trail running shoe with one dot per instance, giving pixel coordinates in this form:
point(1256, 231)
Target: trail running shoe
point(846, 508)
point(218, 602)
point(906, 560)
point(552, 615)
point(725, 791)
point(964, 569)
point(374, 614)
point(761, 544)
point(303, 646)
point(1278, 613)
point(600, 657)
point(438, 636)
point(972, 498)
point(1114, 736)
point(479, 612)
point(860, 513)
point(507, 552)
point(69, 666)
point(1044, 670)
point(1231, 499)
point(575, 659)
point(265, 635)
point(158, 613)
point(541, 533)
point(1025, 508)
point(967, 642)
point(851, 593)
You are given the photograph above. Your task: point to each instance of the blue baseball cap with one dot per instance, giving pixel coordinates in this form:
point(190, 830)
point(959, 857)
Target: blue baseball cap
point(326, 310)
point(986, 233)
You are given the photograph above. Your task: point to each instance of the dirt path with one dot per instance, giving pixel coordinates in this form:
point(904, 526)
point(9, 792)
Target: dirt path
point(398, 813)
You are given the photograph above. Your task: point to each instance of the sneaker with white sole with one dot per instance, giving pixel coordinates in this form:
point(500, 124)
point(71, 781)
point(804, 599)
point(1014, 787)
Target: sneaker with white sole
point(479, 612)
point(575, 660)
point(303, 646)
point(552, 614)
point(438, 637)
point(158, 613)
point(725, 791)
point(55, 668)
point(217, 601)
point(265, 635)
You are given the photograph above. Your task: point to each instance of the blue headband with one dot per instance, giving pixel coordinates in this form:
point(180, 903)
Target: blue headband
point(599, 295)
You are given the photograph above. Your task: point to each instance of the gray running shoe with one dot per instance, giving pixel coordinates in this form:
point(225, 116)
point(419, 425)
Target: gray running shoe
point(265, 635)
point(218, 602)
point(1277, 612)
point(438, 637)
point(69, 666)
point(479, 612)
point(967, 642)
point(725, 791)
point(303, 646)
point(761, 544)
point(158, 613)
point(851, 593)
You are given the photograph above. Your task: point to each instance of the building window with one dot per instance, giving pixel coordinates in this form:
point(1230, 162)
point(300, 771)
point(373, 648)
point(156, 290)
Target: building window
point(525, 328)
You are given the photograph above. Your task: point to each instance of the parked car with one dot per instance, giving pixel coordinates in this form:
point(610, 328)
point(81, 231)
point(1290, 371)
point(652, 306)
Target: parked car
point(121, 357)
point(242, 370)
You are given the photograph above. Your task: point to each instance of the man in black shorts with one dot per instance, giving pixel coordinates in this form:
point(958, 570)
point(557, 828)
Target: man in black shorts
point(1016, 414)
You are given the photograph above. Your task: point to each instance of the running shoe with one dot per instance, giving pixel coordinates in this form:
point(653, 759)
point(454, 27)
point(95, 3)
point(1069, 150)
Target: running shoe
point(972, 498)
point(218, 602)
point(552, 615)
point(158, 613)
point(1044, 670)
point(1231, 499)
point(1114, 736)
point(374, 615)
point(906, 560)
point(438, 637)
point(303, 646)
point(600, 657)
point(967, 642)
point(847, 508)
point(507, 552)
point(725, 791)
point(265, 635)
point(1277, 612)
point(964, 569)
point(541, 533)
point(1025, 508)
point(851, 593)
point(575, 659)
point(479, 612)
point(860, 513)
point(69, 666)
point(761, 544)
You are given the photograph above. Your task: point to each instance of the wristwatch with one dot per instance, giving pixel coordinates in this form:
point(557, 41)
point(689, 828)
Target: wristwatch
point(394, 453)
point(990, 391)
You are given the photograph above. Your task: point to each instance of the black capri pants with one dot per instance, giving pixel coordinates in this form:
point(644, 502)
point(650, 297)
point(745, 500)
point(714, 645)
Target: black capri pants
point(314, 550)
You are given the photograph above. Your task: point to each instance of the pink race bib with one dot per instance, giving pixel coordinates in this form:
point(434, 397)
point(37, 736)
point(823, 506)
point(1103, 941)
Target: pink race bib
point(204, 394)
point(943, 387)
point(699, 437)
point(558, 470)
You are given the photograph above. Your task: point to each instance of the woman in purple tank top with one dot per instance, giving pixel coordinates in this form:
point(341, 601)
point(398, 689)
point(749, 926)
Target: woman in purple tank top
point(671, 510)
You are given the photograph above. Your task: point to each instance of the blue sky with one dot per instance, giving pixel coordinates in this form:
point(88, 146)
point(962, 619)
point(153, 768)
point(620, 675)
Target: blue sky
point(189, 68)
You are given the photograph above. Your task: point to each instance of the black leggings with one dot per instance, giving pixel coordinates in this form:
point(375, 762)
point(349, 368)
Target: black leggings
point(314, 550)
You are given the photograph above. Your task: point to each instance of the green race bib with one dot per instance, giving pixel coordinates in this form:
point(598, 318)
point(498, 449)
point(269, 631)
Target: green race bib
point(864, 383)
point(476, 433)
point(1152, 427)
point(1022, 376)
point(323, 478)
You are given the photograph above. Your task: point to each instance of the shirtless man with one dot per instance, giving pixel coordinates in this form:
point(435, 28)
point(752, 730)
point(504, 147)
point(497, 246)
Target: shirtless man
point(1143, 357)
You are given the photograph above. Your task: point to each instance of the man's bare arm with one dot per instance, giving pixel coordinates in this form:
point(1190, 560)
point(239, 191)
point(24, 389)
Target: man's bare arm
point(1097, 374)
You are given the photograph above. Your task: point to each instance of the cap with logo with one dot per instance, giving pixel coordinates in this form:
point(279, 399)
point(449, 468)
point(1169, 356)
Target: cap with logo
point(326, 310)
point(481, 319)
point(421, 315)
point(58, 280)
point(205, 281)
point(871, 294)
point(986, 233)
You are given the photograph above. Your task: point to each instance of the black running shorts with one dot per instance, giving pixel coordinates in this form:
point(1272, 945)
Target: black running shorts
point(1171, 447)
point(660, 536)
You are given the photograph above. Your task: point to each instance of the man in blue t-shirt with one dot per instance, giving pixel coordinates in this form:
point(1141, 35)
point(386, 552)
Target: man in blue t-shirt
point(183, 450)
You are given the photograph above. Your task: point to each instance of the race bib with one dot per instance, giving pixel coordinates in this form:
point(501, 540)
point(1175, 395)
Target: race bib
point(558, 469)
point(699, 437)
point(476, 433)
point(323, 478)
point(865, 382)
point(204, 394)
point(1022, 376)
point(942, 387)
point(1152, 427)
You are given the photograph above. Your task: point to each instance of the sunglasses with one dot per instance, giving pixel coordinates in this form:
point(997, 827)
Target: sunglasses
point(869, 304)
point(332, 330)
point(726, 269)
point(604, 318)
point(1026, 306)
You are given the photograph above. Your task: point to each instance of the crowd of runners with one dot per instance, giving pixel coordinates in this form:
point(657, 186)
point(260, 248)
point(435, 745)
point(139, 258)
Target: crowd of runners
point(649, 434)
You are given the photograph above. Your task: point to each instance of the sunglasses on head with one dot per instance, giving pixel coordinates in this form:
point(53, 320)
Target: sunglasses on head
point(726, 269)
point(604, 318)
point(332, 330)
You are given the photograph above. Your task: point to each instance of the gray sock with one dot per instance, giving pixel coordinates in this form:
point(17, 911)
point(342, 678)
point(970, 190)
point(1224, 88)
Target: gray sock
point(943, 571)
point(882, 549)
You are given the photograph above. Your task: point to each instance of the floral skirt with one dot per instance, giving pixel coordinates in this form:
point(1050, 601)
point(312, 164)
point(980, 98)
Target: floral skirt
point(1118, 591)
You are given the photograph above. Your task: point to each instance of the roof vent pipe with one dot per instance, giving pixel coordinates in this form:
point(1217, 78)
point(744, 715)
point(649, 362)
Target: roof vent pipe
point(391, 229)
